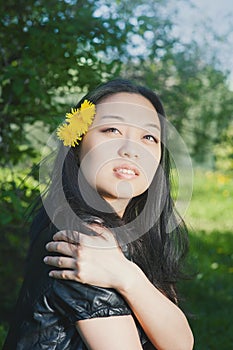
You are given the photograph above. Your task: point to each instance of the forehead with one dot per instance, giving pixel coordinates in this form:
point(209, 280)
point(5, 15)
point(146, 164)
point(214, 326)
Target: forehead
point(129, 108)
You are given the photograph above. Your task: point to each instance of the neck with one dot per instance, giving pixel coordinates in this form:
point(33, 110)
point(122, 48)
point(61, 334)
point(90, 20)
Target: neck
point(118, 204)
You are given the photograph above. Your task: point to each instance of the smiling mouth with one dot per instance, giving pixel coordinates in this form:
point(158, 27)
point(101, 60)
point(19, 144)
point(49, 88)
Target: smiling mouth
point(126, 172)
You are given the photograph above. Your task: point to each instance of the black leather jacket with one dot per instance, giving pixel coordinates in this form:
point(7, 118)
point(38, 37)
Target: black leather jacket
point(47, 309)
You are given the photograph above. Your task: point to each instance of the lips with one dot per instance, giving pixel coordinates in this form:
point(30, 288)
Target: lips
point(126, 171)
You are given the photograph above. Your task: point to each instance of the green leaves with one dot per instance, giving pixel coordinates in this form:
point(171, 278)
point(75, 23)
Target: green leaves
point(41, 42)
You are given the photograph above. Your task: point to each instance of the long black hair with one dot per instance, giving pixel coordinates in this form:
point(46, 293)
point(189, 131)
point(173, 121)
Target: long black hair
point(155, 237)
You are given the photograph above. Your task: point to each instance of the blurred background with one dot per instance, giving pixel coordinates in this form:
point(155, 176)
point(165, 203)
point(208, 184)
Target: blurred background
point(52, 52)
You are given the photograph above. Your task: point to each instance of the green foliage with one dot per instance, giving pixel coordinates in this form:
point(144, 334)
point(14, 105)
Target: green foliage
point(50, 49)
point(211, 206)
point(209, 293)
point(3, 332)
point(16, 195)
point(223, 152)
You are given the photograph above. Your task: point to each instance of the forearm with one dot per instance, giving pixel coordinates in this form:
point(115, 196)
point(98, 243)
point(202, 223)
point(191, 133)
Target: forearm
point(164, 323)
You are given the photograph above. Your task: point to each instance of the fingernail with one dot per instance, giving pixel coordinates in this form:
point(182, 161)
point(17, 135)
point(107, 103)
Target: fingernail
point(51, 274)
point(46, 259)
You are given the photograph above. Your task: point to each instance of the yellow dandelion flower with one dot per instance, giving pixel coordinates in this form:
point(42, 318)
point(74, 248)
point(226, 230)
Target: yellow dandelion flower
point(87, 110)
point(77, 123)
point(68, 135)
point(74, 113)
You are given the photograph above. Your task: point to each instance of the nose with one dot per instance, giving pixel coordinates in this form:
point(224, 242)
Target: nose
point(128, 149)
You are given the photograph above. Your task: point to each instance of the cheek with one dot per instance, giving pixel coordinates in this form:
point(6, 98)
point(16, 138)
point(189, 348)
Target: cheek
point(149, 173)
point(151, 160)
point(90, 165)
point(93, 161)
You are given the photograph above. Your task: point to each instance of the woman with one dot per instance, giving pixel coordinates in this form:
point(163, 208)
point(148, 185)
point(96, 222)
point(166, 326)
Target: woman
point(109, 193)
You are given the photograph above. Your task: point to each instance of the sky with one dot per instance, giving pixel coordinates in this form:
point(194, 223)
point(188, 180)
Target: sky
point(203, 17)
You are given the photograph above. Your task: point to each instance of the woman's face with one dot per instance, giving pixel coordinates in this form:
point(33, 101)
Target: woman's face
point(121, 151)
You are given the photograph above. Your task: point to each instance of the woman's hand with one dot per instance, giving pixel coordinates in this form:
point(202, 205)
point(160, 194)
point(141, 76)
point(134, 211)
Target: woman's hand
point(95, 260)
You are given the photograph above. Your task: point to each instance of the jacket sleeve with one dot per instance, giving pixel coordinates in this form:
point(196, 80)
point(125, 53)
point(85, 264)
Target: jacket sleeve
point(79, 301)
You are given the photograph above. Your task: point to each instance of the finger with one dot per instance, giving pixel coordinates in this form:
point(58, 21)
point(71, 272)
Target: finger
point(63, 248)
point(102, 241)
point(61, 262)
point(64, 275)
point(99, 230)
point(73, 236)
point(105, 233)
point(67, 236)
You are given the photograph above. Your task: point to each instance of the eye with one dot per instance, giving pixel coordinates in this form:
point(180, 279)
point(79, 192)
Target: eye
point(111, 130)
point(151, 138)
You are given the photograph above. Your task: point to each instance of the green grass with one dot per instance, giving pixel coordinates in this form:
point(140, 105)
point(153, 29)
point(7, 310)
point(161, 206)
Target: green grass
point(209, 294)
point(211, 207)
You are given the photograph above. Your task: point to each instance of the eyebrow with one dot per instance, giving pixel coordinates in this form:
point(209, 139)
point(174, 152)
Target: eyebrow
point(153, 126)
point(117, 117)
point(112, 117)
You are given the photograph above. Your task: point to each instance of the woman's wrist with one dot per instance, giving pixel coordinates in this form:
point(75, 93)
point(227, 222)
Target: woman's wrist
point(130, 278)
